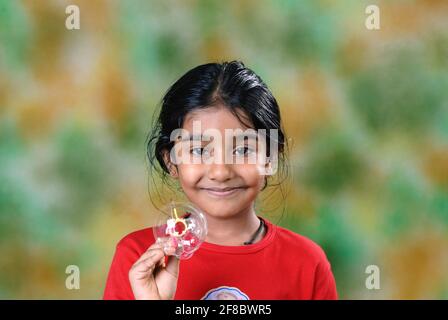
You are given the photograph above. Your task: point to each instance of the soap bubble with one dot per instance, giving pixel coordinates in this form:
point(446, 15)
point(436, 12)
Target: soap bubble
point(184, 225)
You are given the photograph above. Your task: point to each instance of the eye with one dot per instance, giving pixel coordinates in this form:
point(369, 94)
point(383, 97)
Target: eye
point(198, 151)
point(243, 150)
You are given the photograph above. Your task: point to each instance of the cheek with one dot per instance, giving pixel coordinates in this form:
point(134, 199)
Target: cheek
point(189, 174)
point(250, 174)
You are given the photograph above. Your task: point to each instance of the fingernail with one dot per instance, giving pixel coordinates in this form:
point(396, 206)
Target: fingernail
point(169, 249)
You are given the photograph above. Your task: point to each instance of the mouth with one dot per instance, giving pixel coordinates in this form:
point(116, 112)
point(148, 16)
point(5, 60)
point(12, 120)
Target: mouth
point(222, 192)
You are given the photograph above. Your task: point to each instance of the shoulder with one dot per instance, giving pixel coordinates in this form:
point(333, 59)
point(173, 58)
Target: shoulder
point(298, 245)
point(137, 241)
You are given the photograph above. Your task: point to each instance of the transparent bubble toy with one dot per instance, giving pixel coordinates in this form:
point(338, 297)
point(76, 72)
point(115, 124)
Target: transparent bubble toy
point(184, 225)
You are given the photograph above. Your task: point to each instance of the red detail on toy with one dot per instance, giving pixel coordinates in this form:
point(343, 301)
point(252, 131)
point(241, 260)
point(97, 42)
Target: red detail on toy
point(179, 227)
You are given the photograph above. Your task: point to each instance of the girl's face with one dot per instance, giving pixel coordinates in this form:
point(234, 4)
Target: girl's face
point(203, 182)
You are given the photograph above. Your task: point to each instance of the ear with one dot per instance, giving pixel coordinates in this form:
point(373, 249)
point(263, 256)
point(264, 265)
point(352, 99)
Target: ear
point(268, 166)
point(172, 168)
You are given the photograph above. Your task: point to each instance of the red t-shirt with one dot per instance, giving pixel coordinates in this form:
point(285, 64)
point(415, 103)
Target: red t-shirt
point(282, 265)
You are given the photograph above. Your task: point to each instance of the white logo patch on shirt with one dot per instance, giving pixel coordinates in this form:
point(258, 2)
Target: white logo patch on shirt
point(225, 293)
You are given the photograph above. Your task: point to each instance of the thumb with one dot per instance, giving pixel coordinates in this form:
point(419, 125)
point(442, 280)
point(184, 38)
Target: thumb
point(172, 266)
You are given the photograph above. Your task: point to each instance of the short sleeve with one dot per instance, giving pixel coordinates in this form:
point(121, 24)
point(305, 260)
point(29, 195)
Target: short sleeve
point(324, 283)
point(118, 286)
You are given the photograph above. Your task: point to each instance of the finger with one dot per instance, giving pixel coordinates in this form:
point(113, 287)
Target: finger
point(155, 246)
point(166, 247)
point(148, 264)
point(169, 246)
point(161, 263)
point(172, 266)
point(150, 252)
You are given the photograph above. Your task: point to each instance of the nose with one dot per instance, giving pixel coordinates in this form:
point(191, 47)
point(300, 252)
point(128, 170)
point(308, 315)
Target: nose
point(220, 172)
point(217, 168)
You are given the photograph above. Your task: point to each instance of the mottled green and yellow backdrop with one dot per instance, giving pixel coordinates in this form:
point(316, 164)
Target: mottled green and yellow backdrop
point(366, 110)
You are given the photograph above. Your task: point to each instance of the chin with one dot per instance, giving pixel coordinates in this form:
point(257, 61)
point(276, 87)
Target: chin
point(220, 207)
point(219, 211)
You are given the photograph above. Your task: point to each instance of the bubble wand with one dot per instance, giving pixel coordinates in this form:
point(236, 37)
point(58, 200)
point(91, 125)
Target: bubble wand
point(184, 225)
point(179, 223)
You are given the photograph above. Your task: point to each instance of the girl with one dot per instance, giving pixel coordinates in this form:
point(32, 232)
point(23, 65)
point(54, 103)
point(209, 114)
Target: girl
point(244, 255)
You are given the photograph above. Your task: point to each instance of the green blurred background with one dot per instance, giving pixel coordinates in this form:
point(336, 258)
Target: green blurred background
point(367, 112)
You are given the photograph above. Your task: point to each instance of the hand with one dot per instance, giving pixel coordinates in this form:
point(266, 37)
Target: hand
point(150, 278)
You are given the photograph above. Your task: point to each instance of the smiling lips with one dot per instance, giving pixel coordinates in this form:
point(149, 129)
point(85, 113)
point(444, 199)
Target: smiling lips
point(222, 192)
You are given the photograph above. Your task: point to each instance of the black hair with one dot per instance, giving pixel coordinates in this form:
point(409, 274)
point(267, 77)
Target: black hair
point(231, 84)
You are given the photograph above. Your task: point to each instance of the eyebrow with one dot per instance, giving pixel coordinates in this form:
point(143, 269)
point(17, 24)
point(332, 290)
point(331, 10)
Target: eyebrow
point(201, 137)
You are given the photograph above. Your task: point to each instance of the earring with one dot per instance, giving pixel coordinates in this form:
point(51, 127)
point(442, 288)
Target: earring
point(265, 183)
point(173, 172)
point(268, 168)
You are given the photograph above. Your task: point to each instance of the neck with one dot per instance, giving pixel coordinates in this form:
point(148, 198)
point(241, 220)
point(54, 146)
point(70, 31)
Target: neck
point(234, 230)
